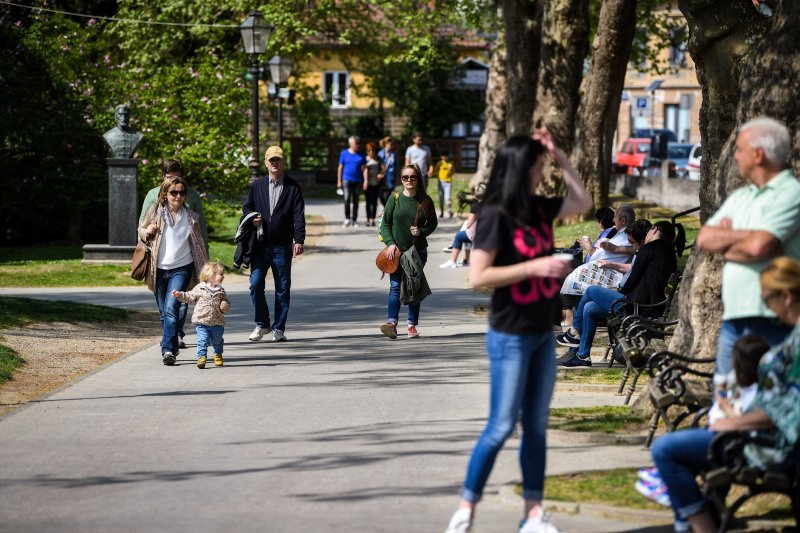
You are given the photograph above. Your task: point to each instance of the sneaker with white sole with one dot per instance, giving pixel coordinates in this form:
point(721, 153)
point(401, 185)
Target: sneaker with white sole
point(389, 329)
point(354, 224)
point(568, 339)
point(259, 332)
point(538, 524)
point(449, 264)
point(447, 249)
point(650, 476)
point(412, 331)
point(346, 223)
point(461, 521)
point(657, 492)
point(278, 336)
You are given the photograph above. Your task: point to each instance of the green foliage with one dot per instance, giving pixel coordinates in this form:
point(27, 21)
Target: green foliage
point(9, 360)
point(312, 112)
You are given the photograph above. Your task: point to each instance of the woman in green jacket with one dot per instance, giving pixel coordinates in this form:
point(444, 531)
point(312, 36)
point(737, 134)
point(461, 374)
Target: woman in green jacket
point(407, 221)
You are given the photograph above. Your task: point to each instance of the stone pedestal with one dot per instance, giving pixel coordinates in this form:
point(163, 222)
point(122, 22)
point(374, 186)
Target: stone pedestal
point(123, 215)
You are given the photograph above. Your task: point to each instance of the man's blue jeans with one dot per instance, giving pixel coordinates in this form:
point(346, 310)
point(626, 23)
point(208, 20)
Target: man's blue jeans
point(679, 457)
point(594, 306)
point(394, 295)
point(209, 335)
point(522, 374)
point(168, 280)
point(773, 330)
point(277, 257)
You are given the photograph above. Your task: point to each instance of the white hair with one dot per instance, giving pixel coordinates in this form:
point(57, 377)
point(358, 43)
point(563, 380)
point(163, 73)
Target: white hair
point(352, 139)
point(771, 136)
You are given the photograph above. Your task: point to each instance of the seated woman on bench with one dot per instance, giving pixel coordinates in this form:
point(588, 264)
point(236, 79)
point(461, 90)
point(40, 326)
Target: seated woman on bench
point(681, 455)
point(653, 264)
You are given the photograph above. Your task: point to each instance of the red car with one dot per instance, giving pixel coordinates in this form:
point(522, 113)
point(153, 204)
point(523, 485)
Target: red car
point(632, 156)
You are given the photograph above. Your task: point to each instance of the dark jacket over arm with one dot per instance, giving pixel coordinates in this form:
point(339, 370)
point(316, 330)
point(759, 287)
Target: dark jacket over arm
point(655, 262)
point(288, 223)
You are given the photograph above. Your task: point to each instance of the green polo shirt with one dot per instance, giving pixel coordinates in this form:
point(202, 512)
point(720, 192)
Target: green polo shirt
point(193, 202)
point(774, 208)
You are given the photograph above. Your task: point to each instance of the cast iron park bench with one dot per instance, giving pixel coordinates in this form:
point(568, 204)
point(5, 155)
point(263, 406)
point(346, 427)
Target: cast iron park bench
point(464, 199)
point(729, 466)
point(674, 397)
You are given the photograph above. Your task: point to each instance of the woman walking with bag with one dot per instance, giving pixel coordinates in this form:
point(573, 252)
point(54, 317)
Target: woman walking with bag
point(512, 253)
point(408, 220)
point(177, 254)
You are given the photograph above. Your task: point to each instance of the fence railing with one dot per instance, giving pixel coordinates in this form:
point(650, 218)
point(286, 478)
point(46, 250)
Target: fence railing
point(320, 155)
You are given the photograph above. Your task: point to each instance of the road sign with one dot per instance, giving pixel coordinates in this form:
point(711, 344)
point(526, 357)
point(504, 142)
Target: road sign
point(642, 102)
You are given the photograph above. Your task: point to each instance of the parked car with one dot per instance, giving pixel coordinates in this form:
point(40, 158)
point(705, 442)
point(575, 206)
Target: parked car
point(632, 156)
point(646, 133)
point(694, 162)
point(678, 154)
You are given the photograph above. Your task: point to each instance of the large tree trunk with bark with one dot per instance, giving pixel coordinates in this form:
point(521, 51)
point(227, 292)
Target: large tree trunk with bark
point(599, 107)
point(742, 75)
point(494, 132)
point(522, 24)
point(565, 43)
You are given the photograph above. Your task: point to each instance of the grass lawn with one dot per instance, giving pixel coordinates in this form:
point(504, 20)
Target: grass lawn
point(602, 376)
point(16, 312)
point(603, 419)
point(615, 487)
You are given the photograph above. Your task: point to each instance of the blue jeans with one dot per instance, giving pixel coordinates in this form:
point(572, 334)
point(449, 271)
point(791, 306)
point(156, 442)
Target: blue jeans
point(168, 280)
point(209, 335)
point(679, 457)
point(522, 374)
point(771, 329)
point(352, 190)
point(277, 257)
point(394, 295)
point(594, 306)
point(461, 239)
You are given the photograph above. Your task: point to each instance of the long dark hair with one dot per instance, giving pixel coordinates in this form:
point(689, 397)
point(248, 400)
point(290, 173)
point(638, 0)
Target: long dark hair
point(422, 197)
point(509, 183)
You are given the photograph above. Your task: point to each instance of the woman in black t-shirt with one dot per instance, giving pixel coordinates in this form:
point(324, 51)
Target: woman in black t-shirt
point(512, 254)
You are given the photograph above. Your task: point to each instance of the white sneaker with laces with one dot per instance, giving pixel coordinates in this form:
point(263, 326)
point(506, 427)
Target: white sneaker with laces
point(259, 332)
point(538, 524)
point(461, 522)
point(277, 336)
point(449, 264)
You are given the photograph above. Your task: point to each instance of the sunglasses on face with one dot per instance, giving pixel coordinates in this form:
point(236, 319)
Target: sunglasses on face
point(408, 178)
point(175, 194)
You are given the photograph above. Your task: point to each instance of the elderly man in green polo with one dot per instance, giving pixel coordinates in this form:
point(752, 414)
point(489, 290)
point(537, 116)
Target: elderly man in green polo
point(169, 168)
point(757, 223)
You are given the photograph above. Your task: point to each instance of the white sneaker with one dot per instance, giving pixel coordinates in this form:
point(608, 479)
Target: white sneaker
point(277, 336)
point(461, 522)
point(346, 223)
point(448, 249)
point(449, 264)
point(259, 332)
point(539, 524)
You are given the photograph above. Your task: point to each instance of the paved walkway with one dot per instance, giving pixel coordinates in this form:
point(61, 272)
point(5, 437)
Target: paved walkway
point(338, 429)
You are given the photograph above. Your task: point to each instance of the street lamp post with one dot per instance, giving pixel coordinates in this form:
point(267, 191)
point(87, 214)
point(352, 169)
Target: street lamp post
point(280, 68)
point(255, 35)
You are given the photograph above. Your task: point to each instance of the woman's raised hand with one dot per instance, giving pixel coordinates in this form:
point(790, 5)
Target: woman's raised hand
point(546, 138)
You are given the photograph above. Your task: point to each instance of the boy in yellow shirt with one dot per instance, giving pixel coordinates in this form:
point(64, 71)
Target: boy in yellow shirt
point(444, 171)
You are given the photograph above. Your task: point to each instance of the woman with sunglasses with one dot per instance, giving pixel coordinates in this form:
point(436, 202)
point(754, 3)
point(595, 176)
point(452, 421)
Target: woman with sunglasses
point(409, 218)
point(177, 253)
point(512, 253)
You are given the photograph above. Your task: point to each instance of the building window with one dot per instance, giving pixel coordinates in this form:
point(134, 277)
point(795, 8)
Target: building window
point(677, 47)
point(336, 86)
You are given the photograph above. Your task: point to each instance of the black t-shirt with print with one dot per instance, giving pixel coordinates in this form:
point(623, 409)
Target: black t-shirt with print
point(526, 307)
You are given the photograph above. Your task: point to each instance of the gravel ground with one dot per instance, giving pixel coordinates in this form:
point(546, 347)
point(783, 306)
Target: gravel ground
point(58, 353)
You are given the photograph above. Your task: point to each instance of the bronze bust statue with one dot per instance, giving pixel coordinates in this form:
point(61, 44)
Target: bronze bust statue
point(122, 139)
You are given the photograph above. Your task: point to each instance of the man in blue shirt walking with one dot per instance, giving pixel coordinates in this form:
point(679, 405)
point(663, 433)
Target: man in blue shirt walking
point(350, 178)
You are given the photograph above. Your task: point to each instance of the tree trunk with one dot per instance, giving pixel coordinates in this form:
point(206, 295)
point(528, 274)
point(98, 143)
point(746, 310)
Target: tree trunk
point(602, 88)
point(494, 133)
point(522, 23)
point(721, 35)
point(565, 43)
